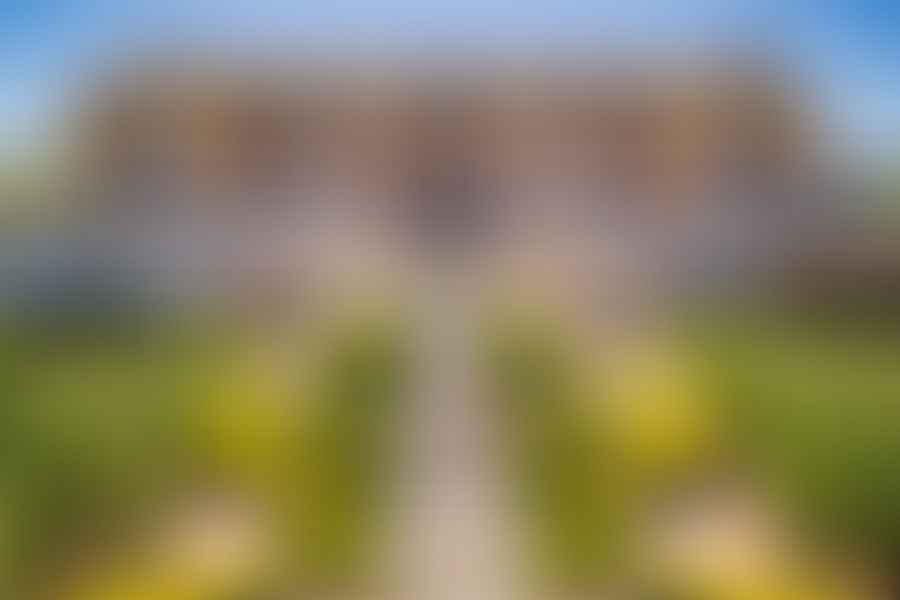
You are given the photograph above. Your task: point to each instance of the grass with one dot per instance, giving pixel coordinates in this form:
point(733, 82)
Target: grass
point(807, 407)
point(102, 430)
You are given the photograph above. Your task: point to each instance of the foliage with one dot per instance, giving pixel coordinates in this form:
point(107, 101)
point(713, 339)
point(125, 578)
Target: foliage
point(103, 431)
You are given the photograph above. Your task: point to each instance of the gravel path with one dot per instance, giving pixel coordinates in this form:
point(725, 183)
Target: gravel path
point(456, 532)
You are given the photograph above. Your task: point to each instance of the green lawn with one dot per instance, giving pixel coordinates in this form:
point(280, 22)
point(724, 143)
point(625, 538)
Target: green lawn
point(807, 408)
point(102, 431)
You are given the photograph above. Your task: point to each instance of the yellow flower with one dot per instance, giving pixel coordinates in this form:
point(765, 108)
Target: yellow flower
point(131, 582)
point(256, 415)
point(654, 408)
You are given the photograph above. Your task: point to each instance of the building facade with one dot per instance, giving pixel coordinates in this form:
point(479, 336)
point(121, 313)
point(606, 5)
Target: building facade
point(342, 162)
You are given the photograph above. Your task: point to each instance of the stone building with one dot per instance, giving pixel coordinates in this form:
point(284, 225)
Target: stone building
point(341, 162)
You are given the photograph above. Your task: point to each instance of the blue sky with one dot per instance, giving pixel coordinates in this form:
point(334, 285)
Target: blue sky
point(848, 51)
